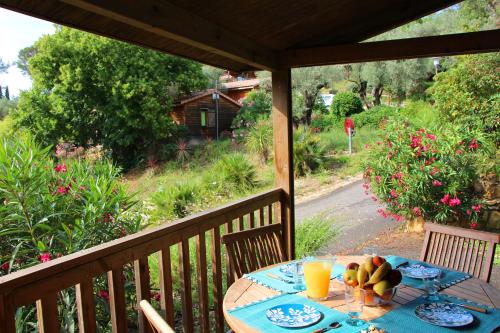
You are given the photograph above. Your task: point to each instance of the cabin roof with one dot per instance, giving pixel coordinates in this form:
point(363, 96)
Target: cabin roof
point(204, 93)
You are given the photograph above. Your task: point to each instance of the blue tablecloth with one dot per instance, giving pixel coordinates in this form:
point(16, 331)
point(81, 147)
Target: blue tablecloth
point(448, 277)
point(261, 278)
point(404, 320)
point(254, 315)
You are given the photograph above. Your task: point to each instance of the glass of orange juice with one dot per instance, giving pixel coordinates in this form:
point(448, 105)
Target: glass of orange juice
point(317, 276)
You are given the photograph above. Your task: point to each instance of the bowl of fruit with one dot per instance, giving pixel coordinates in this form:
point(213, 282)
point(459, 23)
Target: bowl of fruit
point(376, 277)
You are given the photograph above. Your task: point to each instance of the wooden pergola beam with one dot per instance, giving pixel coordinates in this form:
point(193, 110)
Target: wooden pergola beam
point(170, 21)
point(421, 47)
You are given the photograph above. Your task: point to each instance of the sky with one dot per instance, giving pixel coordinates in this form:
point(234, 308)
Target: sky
point(16, 32)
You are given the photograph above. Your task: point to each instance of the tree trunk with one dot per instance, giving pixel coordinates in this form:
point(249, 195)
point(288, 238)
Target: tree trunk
point(362, 93)
point(377, 93)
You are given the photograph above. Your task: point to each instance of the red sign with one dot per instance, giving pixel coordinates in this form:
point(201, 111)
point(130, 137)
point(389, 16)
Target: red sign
point(348, 123)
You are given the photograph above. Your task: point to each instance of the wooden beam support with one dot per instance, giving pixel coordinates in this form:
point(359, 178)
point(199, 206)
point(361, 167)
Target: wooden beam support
point(283, 153)
point(167, 20)
point(421, 47)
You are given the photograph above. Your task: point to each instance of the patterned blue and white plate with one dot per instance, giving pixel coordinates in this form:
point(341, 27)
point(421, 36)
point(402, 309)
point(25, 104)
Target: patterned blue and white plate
point(419, 272)
point(287, 269)
point(293, 315)
point(444, 314)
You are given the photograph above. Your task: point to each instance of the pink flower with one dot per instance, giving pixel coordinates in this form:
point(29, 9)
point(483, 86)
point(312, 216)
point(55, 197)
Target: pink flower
point(445, 199)
point(5, 266)
point(473, 225)
point(454, 202)
point(104, 295)
point(434, 171)
point(367, 146)
point(382, 213)
point(156, 296)
point(473, 145)
point(62, 190)
point(82, 188)
point(60, 168)
point(44, 257)
point(397, 217)
point(379, 143)
point(431, 136)
point(436, 183)
point(378, 179)
point(476, 208)
point(397, 175)
point(366, 186)
point(374, 198)
point(417, 211)
point(394, 194)
point(459, 152)
point(468, 212)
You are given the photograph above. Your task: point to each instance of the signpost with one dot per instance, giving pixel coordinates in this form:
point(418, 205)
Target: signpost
point(349, 130)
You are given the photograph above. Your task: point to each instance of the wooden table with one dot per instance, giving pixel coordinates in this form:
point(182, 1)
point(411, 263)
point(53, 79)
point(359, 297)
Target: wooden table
point(245, 291)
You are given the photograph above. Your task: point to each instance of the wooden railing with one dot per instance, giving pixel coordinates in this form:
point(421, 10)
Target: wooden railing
point(204, 272)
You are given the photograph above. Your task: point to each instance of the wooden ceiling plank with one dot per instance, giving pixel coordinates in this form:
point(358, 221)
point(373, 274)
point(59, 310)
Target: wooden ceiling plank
point(167, 20)
point(421, 47)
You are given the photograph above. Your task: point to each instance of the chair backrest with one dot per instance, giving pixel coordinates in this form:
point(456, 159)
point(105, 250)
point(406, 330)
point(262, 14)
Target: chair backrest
point(464, 250)
point(255, 248)
point(155, 320)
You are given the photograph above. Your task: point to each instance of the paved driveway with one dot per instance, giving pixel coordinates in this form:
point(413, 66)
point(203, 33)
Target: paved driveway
point(354, 212)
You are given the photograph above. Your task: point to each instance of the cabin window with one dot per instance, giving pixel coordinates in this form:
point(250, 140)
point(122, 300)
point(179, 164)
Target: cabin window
point(207, 118)
point(203, 117)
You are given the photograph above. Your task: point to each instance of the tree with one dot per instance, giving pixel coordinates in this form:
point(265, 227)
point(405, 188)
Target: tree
point(93, 90)
point(3, 66)
point(23, 58)
point(1, 92)
point(7, 94)
point(308, 82)
point(469, 94)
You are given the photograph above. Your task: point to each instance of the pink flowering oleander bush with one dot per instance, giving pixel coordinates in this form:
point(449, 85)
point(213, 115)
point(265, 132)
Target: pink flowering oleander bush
point(417, 172)
point(51, 207)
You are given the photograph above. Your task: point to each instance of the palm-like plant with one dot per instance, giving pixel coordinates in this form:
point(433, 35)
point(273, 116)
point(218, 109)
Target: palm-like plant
point(259, 139)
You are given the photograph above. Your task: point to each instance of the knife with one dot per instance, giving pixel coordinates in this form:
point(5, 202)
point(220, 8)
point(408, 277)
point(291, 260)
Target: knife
point(274, 276)
point(470, 307)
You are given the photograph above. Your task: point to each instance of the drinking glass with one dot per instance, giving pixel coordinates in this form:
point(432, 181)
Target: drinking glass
point(354, 301)
point(317, 276)
point(298, 276)
point(431, 287)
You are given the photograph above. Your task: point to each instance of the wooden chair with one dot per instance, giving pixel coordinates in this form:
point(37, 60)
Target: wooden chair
point(464, 250)
point(252, 249)
point(155, 320)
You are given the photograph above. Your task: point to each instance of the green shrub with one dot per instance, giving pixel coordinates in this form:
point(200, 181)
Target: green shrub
point(174, 201)
point(417, 172)
point(469, 93)
point(256, 105)
point(308, 153)
point(312, 234)
point(57, 207)
point(259, 139)
point(237, 170)
point(54, 208)
point(325, 122)
point(420, 113)
point(375, 116)
point(346, 104)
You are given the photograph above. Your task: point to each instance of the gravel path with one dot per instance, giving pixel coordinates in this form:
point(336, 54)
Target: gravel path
point(354, 212)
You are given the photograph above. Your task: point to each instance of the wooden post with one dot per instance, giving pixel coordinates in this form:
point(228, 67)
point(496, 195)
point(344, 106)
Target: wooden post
point(283, 153)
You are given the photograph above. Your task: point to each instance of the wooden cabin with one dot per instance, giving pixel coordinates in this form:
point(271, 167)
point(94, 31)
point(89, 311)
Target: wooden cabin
point(199, 113)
